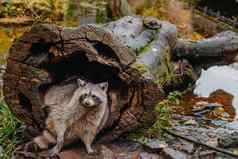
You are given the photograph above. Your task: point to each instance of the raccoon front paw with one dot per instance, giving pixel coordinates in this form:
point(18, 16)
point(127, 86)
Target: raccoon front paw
point(53, 152)
point(91, 151)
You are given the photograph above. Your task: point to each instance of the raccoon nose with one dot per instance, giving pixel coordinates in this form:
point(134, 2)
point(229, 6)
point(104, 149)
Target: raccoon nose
point(87, 103)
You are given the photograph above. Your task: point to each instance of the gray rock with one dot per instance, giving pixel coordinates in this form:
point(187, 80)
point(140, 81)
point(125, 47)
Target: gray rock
point(191, 122)
point(187, 147)
point(153, 143)
point(232, 125)
point(173, 154)
point(228, 140)
point(145, 155)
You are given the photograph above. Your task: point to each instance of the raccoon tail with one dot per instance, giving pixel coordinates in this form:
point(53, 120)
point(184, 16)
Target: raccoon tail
point(45, 140)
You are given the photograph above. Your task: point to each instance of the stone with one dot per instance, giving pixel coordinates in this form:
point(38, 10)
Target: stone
point(173, 154)
point(228, 140)
point(191, 122)
point(154, 144)
point(187, 147)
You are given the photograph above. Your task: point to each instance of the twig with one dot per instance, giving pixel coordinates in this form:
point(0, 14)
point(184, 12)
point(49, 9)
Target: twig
point(200, 143)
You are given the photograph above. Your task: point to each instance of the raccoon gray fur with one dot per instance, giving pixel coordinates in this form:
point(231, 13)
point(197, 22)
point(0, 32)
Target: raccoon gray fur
point(76, 111)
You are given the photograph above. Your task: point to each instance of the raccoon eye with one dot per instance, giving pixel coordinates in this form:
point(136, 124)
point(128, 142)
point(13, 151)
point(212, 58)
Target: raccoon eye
point(82, 97)
point(93, 96)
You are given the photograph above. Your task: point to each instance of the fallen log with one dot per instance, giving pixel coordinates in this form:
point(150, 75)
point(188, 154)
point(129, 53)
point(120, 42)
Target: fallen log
point(216, 46)
point(48, 55)
point(129, 54)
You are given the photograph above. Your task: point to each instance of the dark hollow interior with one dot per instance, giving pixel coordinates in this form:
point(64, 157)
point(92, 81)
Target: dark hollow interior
point(68, 68)
point(77, 65)
point(25, 102)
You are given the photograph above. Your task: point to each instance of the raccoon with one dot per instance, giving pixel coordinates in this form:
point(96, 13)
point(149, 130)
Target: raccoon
point(76, 111)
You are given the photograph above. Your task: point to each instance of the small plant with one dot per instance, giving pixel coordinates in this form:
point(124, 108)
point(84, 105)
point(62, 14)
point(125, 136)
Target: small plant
point(167, 76)
point(174, 97)
point(153, 128)
point(143, 69)
point(162, 119)
point(10, 130)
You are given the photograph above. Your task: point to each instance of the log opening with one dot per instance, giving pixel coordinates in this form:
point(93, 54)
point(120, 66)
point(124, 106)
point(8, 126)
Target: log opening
point(78, 65)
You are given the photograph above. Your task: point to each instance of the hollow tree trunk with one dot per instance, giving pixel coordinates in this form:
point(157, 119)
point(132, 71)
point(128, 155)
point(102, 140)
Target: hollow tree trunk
point(48, 55)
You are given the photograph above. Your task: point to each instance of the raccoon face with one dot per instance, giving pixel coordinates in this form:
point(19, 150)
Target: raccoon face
point(92, 95)
point(90, 100)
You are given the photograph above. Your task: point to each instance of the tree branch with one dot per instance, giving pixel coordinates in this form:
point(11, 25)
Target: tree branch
point(173, 133)
point(219, 45)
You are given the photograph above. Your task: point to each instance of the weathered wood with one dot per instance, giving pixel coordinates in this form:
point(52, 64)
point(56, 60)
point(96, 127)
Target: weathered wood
point(49, 54)
point(217, 46)
point(149, 38)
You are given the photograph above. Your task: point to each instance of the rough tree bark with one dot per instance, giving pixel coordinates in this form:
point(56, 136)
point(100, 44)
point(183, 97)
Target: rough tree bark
point(128, 53)
point(216, 46)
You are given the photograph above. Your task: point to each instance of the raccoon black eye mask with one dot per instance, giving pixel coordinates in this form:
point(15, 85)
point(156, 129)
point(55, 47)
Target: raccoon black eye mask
point(85, 98)
point(91, 96)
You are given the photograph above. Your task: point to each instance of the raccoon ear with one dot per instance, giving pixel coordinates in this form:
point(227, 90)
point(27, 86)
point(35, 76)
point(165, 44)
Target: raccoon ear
point(81, 83)
point(103, 86)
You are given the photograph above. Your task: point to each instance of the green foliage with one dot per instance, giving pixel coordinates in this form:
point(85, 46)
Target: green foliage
point(191, 2)
point(7, 36)
point(72, 10)
point(174, 97)
point(101, 16)
point(9, 9)
point(153, 128)
point(10, 130)
point(144, 49)
point(169, 78)
point(38, 9)
point(163, 117)
point(166, 76)
point(162, 110)
point(143, 69)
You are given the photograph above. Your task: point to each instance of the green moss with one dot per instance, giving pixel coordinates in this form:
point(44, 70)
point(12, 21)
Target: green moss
point(143, 69)
point(149, 44)
point(144, 49)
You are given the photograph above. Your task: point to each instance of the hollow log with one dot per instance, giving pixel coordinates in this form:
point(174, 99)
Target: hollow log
point(48, 55)
point(128, 54)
